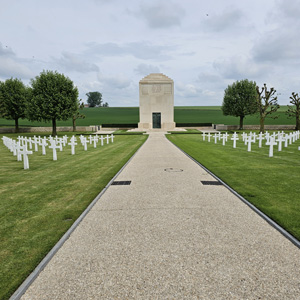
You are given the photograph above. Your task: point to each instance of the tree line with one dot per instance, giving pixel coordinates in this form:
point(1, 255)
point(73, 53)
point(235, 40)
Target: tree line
point(51, 97)
point(244, 98)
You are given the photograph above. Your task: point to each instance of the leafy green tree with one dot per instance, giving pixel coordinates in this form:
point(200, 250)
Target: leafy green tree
point(94, 99)
point(77, 114)
point(54, 98)
point(240, 100)
point(105, 104)
point(13, 100)
point(294, 111)
point(267, 104)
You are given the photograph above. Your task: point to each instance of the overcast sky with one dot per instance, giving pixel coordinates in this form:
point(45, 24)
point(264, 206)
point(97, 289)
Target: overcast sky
point(109, 45)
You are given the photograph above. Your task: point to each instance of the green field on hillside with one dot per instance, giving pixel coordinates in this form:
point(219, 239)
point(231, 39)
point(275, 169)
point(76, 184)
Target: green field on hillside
point(182, 114)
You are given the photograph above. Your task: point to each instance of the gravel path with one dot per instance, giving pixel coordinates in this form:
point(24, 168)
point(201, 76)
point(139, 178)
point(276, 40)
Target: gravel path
point(167, 236)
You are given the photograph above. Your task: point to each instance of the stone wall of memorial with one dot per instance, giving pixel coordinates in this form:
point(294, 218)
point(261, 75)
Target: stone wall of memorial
point(156, 94)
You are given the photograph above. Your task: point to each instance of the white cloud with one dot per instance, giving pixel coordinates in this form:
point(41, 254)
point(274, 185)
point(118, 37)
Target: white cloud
point(12, 66)
point(141, 50)
point(227, 20)
point(238, 67)
point(73, 62)
point(145, 69)
point(187, 90)
point(279, 46)
point(289, 9)
point(6, 51)
point(161, 15)
point(119, 81)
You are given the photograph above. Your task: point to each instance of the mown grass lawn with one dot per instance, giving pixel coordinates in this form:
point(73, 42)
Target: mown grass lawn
point(271, 184)
point(38, 205)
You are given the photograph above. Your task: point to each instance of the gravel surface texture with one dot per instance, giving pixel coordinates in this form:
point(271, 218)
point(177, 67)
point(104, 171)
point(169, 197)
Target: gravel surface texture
point(167, 236)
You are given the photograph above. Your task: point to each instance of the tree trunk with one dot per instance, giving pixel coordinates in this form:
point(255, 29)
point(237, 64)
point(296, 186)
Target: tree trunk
point(241, 122)
point(16, 125)
point(54, 127)
point(74, 124)
point(297, 123)
point(262, 125)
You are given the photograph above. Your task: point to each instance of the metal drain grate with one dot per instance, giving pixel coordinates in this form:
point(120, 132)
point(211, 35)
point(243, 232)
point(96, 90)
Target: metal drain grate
point(173, 170)
point(211, 183)
point(121, 183)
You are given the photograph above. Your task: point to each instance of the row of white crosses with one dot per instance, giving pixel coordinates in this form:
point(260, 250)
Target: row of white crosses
point(271, 140)
point(18, 150)
point(23, 146)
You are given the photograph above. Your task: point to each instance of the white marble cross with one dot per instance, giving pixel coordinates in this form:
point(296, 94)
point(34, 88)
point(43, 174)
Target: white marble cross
point(216, 136)
point(95, 140)
point(60, 143)
point(219, 136)
point(280, 139)
point(84, 142)
point(30, 143)
point(254, 136)
point(203, 136)
point(35, 142)
point(101, 139)
point(234, 138)
point(291, 138)
point(65, 140)
point(224, 138)
point(286, 140)
point(72, 144)
point(244, 136)
point(208, 137)
point(250, 140)
point(43, 143)
point(260, 138)
point(54, 146)
point(271, 143)
point(18, 149)
point(23, 151)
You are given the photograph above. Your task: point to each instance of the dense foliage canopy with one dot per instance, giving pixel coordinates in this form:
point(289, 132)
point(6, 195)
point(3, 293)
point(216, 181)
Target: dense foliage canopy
point(54, 97)
point(94, 99)
point(240, 99)
point(13, 100)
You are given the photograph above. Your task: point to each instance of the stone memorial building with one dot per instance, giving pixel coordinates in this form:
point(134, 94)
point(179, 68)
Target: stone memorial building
point(156, 102)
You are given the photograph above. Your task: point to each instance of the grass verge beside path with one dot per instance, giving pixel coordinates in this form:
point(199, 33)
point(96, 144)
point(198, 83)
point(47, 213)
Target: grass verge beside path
point(271, 184)
point(39, 205)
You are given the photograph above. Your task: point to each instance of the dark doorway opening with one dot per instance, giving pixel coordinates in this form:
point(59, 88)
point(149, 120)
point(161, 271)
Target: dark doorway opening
point(156, 120)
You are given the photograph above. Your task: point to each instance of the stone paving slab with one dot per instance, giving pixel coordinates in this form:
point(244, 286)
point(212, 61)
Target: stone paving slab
point(167, 236)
